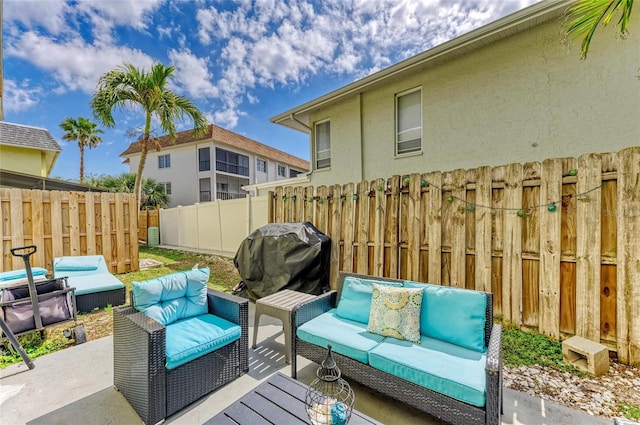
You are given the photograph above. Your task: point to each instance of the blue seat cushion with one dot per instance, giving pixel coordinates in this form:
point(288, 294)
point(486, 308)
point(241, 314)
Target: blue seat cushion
point(454, 315)
point(92, 283)
point(188, 339)
point(355, 298)
point(347, 337)
point(20, 274)
point(438, 365)
point(172, 297)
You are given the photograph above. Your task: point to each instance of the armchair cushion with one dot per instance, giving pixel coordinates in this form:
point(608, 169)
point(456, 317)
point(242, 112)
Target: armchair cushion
point(188, 339)
point(172, 297)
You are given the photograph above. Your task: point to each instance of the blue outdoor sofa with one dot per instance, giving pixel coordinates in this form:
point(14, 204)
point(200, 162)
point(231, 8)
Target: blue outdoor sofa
point(433, 347)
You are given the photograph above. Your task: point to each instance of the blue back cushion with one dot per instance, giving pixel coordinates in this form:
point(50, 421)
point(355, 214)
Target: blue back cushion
point(454, 315)
point(355, 299)
point(172, 297)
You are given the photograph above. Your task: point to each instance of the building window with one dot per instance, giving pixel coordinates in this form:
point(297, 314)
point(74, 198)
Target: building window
point(231, 162)
point(204, 159)
point(323, 145)
point(282, 170)
point(261, 165)
point(205, 190)
point(166, 186)
point(164, 161)
point(409, 122)
point(293, 173)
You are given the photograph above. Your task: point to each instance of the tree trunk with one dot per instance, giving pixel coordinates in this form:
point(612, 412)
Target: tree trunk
point(81, 146)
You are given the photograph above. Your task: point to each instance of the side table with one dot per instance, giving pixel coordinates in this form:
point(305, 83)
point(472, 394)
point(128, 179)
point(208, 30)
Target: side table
point(279, 305)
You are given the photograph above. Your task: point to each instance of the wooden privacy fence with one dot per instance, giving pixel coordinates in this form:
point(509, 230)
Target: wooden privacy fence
point(146, 219)
point(557, 242)
point(69, 223)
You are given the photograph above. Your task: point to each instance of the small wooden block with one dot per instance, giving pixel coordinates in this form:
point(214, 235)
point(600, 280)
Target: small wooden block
point(586, 355)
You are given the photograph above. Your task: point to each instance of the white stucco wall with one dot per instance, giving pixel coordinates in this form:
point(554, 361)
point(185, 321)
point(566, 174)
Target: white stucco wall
point(525, 98)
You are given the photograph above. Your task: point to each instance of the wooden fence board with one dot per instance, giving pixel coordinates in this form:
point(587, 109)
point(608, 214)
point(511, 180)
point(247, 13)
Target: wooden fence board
point(37, 226)
point(458, 229)
point(120, 242)
point(335, 234)
point(74, 224)
point(57, 246)
point(348, 227)
point(90, 230)
point(379, 228)
point(392, 228)
point(362, 264)
point(628, 272)
point(588, 247)
point(483, 230)
point(511, 256)
point(413, 224)
point(550, 191)
point(435, 227)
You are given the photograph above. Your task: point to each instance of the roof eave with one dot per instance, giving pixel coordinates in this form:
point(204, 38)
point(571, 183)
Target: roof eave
point(539, 12)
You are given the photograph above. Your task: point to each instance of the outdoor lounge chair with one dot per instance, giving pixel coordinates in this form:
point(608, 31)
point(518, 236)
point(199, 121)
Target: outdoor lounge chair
point(95, 286)
point(178, 342)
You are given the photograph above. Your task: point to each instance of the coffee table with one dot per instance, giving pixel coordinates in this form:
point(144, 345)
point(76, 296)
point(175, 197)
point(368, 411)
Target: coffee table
point(277, 401)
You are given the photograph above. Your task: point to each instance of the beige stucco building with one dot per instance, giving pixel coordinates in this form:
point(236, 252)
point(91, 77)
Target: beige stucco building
point(510, 91)
point(214, 166)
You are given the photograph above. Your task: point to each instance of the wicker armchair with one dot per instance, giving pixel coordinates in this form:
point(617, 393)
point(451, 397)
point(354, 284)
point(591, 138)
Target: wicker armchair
point(156, 392)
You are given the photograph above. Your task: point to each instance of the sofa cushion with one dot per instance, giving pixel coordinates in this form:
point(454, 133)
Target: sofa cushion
point(347, 337)
point(395, 312)
point(454, 315)
point(438, 365)
point(92, 283)
point(355, 299)
point(188, 339)
point(172, 297)
point(19, 275)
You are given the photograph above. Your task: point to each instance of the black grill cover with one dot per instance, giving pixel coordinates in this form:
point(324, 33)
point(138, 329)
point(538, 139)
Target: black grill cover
point(280, 256)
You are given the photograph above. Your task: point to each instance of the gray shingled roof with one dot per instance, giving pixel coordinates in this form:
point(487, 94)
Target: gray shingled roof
point(27, 137)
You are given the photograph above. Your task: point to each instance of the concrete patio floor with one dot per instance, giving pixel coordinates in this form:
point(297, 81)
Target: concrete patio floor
point(75, 386)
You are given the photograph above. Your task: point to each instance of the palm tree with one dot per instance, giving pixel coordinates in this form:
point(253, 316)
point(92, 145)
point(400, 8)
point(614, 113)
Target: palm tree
point(126, 87)
point(85, 133)
point(153, 193)
point(585, 16)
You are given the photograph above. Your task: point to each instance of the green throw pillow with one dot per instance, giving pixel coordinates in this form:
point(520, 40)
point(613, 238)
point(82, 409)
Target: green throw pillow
point(395, 312)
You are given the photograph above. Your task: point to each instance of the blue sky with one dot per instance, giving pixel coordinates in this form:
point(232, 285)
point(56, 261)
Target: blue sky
point(241, 62)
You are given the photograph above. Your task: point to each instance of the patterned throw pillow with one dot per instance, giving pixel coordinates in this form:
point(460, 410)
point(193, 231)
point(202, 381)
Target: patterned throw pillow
point(395, 312)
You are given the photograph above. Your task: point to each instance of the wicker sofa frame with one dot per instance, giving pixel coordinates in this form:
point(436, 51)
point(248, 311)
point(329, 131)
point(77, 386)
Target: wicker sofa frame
point(441, 406)
point(88, 302)
point(140, 375)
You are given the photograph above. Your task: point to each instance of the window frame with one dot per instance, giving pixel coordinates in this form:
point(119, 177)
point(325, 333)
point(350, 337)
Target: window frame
point(204, 164)
point(316, 150)
point(284, 170)
point(224, 165)
point(263, 161)
point(167, 187)
point(397, 132)
point(164, 161)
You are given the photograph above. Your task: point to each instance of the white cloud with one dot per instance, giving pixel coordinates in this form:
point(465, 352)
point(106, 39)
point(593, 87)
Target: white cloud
point(47, 14)
point(19, 96)
point(193, 74)
point(74, 63)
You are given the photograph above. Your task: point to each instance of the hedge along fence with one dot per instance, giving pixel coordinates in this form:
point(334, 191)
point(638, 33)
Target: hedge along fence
point(69, 223)
point(557, 242)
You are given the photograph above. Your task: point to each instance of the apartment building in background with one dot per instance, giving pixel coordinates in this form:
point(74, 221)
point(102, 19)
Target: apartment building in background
point(213, 166)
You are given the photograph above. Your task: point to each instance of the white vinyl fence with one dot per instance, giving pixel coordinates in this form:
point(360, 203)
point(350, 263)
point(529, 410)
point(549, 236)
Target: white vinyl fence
point(218, 226)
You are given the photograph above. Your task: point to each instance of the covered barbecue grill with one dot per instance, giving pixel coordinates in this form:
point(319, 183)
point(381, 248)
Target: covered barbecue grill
point(281, 256)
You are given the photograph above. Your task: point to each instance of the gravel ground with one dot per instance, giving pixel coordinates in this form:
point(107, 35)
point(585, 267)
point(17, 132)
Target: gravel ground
point(598, 396)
